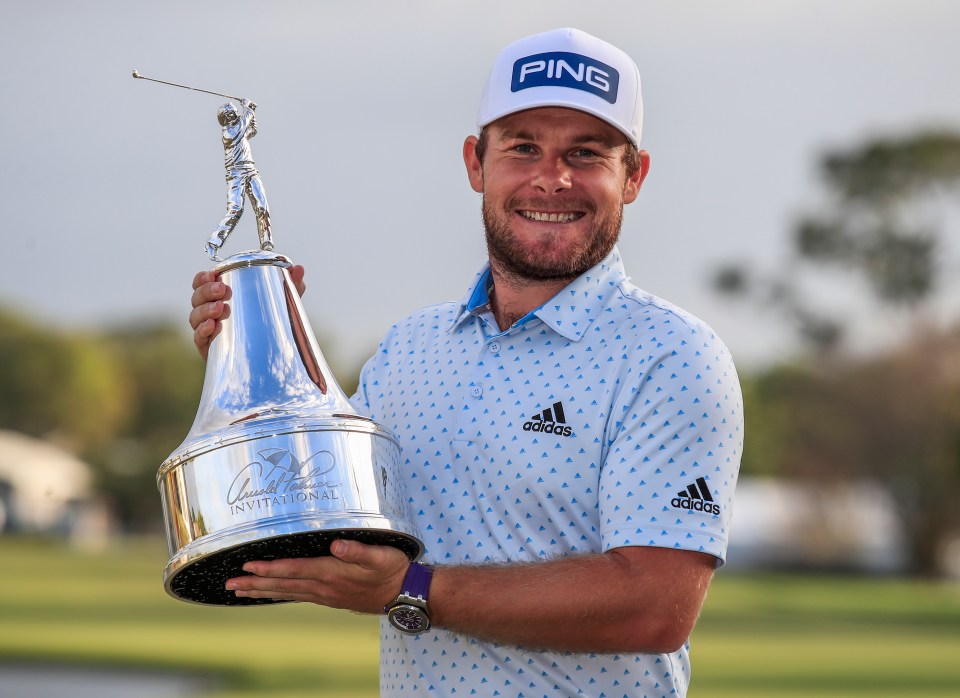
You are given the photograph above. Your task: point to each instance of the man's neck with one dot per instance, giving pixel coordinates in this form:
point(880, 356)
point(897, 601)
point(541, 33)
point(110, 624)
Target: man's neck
point(512, 298)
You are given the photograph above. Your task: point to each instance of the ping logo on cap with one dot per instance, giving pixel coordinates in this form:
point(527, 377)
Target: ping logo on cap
point(562, 69)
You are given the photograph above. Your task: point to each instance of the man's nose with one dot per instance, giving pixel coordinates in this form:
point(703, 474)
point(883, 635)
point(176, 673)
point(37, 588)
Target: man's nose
point(553, 175)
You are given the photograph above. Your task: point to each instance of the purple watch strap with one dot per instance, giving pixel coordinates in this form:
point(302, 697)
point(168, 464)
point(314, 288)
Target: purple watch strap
point(417, 581)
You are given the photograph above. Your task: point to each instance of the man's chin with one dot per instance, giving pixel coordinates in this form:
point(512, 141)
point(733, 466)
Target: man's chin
point(556, 257)
point(536, 267)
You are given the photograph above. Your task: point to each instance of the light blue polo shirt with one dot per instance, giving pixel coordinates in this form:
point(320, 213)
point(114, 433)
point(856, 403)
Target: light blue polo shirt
point(605, 418)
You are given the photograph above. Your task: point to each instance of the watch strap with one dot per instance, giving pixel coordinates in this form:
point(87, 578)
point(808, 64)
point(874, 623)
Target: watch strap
point(416, 585)
point(417, 581)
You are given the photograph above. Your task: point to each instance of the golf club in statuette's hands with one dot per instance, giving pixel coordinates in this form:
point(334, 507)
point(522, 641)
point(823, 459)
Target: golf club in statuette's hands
point(239, 126)
point(277, 464)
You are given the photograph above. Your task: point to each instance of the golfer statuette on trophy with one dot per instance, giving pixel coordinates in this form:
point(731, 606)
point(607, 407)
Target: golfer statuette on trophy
point(277, 464)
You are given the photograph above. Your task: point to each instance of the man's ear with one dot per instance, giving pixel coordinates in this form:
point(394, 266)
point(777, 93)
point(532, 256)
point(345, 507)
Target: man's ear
point(473, 164)
point(631, 188)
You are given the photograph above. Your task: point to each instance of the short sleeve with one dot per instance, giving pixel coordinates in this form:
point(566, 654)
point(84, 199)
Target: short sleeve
point(674, 450)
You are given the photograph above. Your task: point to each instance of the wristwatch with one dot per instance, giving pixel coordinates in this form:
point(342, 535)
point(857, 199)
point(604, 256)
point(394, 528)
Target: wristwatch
point(409, 612)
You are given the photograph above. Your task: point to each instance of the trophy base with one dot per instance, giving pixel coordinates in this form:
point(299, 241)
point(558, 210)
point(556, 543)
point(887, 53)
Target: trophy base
point(274, 488)
point(202, 581)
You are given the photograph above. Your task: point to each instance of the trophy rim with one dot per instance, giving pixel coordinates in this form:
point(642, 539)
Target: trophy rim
point(252, 258)
point(271, 426)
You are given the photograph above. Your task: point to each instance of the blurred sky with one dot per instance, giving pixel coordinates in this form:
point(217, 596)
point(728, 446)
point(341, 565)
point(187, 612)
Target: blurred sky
point(111, 185)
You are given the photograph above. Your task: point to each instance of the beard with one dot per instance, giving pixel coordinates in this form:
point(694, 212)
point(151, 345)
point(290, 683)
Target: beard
point(540, 262)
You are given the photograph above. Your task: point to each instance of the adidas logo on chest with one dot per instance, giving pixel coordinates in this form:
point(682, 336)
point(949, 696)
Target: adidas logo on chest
point(551, 421)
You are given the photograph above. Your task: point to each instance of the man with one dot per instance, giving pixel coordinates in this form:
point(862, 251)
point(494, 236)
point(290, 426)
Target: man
point(571, 442)
point(242, 176)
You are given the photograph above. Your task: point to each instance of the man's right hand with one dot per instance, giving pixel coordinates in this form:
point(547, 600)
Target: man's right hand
point(210, 308)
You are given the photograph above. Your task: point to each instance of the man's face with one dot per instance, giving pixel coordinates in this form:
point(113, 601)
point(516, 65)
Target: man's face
point(554, 184)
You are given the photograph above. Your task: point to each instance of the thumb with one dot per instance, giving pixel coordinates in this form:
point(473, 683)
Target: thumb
point(381, 557)
point(352, 551)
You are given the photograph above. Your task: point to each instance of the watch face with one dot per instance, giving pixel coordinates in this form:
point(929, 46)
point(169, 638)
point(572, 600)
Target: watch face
point(408, 619)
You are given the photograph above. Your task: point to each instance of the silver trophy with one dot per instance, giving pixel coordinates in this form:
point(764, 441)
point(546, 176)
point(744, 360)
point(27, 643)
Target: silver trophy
point(277, 464)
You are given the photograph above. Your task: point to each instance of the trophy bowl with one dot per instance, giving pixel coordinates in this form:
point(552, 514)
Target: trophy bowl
point(277, 464)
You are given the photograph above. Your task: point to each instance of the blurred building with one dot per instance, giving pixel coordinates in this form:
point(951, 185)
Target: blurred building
point(46, 490)
point(851, 527)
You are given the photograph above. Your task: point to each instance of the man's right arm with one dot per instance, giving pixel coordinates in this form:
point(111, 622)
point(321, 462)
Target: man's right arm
point(210, 307)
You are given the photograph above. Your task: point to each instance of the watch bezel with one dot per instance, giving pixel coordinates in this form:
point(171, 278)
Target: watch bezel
point(409, 605)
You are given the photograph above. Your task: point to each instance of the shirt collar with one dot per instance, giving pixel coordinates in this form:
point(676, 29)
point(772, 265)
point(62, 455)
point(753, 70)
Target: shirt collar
point(570, 312)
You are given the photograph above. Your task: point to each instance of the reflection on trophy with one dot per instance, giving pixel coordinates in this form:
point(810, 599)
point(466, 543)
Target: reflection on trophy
point(277, 464)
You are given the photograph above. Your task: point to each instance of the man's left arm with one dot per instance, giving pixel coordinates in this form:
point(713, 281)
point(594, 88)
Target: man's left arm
point(630, 599)
point(249, 118)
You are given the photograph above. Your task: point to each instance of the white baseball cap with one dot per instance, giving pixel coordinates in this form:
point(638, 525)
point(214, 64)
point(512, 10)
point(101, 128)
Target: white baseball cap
point(565, 68)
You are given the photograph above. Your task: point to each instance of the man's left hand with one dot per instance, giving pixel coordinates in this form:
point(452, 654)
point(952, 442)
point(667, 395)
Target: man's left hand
point(355, 576)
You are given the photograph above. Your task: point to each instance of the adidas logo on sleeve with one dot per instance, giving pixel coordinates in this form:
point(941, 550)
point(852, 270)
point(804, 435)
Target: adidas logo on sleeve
point(696, 497)
point(550, 421)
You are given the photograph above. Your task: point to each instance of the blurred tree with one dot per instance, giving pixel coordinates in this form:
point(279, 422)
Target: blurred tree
point(123, 400)
point(882, 193)
point(166, 374)
point(894, 416)
point(880, 222)
point(67, 387)
point(764, 448)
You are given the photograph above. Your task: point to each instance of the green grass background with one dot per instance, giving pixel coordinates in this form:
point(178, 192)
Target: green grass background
point(759, 635)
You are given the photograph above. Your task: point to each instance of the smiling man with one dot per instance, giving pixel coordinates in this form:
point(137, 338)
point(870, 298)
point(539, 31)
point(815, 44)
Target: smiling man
point(571, 442)
point(554, 182)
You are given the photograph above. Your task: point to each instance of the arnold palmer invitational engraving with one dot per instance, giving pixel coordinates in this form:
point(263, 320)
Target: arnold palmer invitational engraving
point(285, 479)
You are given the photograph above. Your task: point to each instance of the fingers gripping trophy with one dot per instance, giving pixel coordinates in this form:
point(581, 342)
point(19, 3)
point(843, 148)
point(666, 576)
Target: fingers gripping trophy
point(277, 463)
